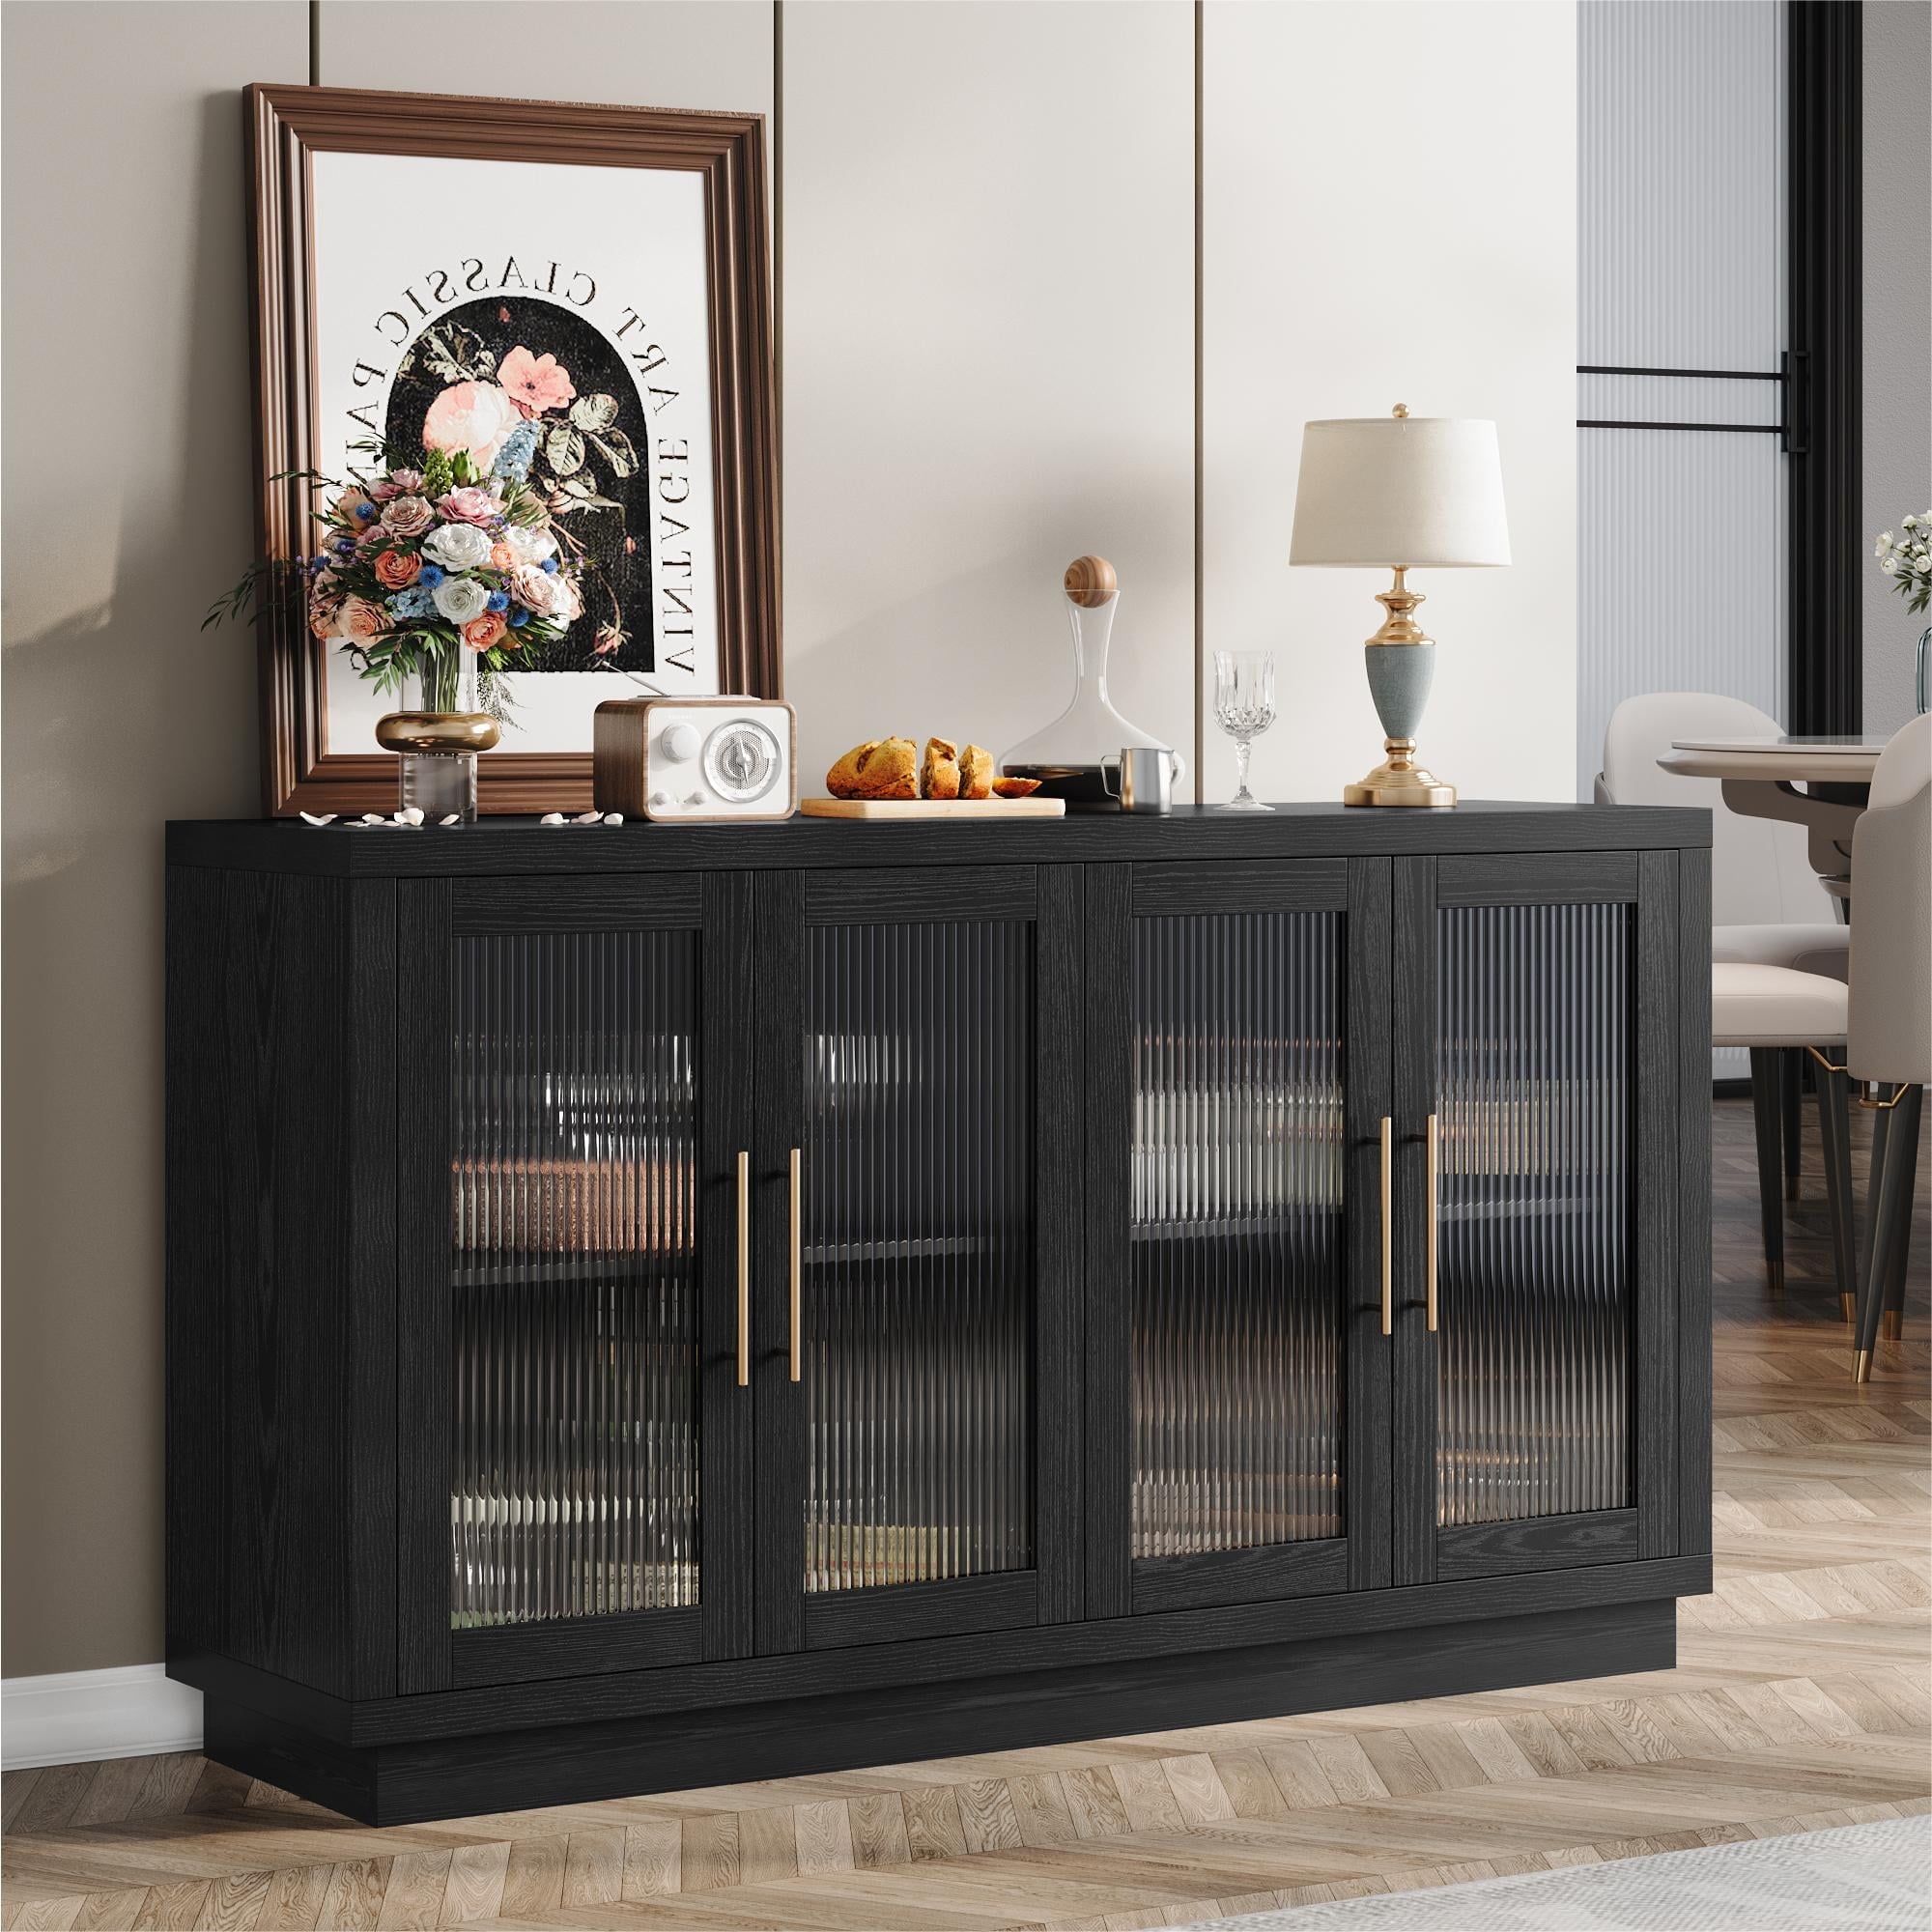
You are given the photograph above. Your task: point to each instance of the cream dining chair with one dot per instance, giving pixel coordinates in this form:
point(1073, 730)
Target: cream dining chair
point(1768, 909)
point(1889, 1020)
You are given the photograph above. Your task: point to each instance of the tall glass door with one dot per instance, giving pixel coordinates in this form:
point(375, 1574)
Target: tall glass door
point(912, 1425)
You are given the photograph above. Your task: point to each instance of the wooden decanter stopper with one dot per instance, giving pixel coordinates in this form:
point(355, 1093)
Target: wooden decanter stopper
point(1089, 582)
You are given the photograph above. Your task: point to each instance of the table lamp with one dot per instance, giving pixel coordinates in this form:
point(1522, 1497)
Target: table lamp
point(1400, 493)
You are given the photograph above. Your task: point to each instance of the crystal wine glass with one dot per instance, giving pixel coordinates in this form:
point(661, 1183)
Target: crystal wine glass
point(1243, 708)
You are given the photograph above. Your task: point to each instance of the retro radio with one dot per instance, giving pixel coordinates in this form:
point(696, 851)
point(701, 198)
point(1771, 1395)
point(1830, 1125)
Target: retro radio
point(693, 760)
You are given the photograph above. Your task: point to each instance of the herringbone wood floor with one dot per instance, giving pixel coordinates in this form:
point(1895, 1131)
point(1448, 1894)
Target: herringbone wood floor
point(1800, 1699)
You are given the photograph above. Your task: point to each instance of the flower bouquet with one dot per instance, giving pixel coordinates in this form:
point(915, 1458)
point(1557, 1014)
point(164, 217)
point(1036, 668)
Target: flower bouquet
point(435, 575)
point(1907, 559)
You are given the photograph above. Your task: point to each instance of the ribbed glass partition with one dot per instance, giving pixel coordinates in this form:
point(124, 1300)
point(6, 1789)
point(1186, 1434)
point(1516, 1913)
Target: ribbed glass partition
point(1236, 1237)
point(1534, 1087)
point(917, 1225)
point(574, 1276)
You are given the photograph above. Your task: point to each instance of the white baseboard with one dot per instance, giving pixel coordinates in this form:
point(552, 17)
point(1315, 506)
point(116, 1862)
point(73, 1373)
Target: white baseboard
point(75, 1717)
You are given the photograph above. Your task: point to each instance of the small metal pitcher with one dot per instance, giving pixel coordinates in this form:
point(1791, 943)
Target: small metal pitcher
point(1141, 776)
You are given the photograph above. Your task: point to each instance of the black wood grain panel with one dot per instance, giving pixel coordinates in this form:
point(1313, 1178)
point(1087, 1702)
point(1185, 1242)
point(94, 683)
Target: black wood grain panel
point(1537, 1543)
point(424, 1147)
point(1049, 1647)
point(1692, 1320)
point(1537, 879)
point(959, 892)
point(731, 987)
point(1659, 1192)
point(370, 1022)
point(1267, 1573)
point(592, 903)
point(575, 1762)
point(202, 1167)
point(1368, 1072)
point(1001, 1601)
point(1061, 1125)
point(576, 1647)
point(1107, 1135)
point(1414, 1350)
point(1190, 835)
point(1237, 885)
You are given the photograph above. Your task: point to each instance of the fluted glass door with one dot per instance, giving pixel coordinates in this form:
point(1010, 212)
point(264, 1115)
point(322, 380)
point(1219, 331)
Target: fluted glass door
point(1541, 1124)
point(1238, 1046)
point(918, 1426)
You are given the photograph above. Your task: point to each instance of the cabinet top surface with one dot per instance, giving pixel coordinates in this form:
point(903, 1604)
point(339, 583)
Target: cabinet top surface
point(1190, 834)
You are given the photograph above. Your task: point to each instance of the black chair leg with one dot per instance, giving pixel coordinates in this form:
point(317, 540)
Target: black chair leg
point(1791, 1110)
point(1768, 1111)
point(1834, 1134)
point(1894, 1164)
point(1891, 1322)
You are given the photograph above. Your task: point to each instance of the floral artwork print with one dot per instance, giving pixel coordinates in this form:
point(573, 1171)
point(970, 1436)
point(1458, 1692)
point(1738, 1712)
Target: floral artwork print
point(534, 394)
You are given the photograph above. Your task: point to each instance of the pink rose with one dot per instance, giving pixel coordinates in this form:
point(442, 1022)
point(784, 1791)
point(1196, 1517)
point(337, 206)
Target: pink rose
point(475, 417)
point(470, 505)
point(407, 482)
point(534, 588)
point(360, 620)
point(480, 633)
point(535, 383)
point(323, 618)
point(408, 516)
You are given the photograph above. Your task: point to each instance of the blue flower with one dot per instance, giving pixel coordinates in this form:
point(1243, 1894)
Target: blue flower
point(414, 602)
point(367, 512)
point(316, 563)
point(345, 546)
point(514, 459)
point(519, 617)
point(499, 601)
point(431, 577)
point(549, 565)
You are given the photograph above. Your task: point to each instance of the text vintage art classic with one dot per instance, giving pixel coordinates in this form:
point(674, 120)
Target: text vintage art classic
point(584, 287)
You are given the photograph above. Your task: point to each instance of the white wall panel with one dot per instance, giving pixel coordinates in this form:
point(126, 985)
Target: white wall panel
point(988, 362)
point(1391, 217)
point(646, 53)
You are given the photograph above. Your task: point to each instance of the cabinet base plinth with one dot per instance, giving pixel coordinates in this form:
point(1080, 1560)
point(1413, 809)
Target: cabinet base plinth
point(501, 1770)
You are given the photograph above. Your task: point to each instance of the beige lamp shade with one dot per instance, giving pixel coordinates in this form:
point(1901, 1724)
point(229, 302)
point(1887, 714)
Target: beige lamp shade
point(1380, 490)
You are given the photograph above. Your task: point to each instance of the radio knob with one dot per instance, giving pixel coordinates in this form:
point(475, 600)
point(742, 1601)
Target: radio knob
point(660, 799)
point(695, 800)
point(680, 743)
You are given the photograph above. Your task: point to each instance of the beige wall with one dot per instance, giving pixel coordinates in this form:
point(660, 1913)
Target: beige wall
point(989, 367)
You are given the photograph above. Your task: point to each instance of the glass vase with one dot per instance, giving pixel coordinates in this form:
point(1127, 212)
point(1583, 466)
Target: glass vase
point(1066, 755)
point(436, 738)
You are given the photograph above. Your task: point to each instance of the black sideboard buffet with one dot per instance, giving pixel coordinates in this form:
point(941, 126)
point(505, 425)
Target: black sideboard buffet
point(650, 1306)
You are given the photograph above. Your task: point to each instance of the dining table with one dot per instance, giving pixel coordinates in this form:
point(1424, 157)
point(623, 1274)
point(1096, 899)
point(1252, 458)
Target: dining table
point(1821, 783)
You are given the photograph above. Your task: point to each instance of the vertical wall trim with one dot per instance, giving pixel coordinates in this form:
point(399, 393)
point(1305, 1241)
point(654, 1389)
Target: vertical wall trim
point(1825, 408)
point(779, 281)
point(1200, 468)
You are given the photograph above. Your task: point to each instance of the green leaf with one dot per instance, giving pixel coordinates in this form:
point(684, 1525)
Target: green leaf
point(618, 452)
point(594, 413)
point(563, 450)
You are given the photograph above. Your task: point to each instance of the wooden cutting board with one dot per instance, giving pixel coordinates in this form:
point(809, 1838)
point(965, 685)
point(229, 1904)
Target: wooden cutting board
point(933, 808)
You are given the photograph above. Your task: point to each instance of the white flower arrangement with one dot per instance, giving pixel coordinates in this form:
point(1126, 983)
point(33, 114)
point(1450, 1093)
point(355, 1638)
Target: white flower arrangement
point(1907, 559)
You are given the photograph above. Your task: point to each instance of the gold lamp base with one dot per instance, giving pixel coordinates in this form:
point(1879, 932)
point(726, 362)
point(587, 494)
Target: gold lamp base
point(1399, 780)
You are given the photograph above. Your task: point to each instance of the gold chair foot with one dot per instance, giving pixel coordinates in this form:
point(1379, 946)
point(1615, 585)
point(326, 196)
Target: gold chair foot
point(1891, 1324)
point(1848, 1307)
point(1862, 1366)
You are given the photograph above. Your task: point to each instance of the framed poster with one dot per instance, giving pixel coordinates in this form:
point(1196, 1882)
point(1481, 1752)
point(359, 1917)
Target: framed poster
point(588, 285)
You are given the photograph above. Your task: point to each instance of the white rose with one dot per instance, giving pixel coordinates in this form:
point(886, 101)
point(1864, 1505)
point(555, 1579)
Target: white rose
point(530, 546)
point(457, 547)
point(461, 599)
point(1889, 566)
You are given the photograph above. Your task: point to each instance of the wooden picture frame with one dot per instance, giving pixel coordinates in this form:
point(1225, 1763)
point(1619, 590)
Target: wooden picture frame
point(289, 128)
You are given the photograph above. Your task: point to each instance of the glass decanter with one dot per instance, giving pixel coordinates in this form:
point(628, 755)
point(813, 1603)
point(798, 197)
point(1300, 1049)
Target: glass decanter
point(1065, 755)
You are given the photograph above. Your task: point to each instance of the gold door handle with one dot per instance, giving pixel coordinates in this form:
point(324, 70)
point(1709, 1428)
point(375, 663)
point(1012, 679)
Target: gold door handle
point(797, 1264)
point(744, 1269)
point(1429, 1235)
point(1388, 1253)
